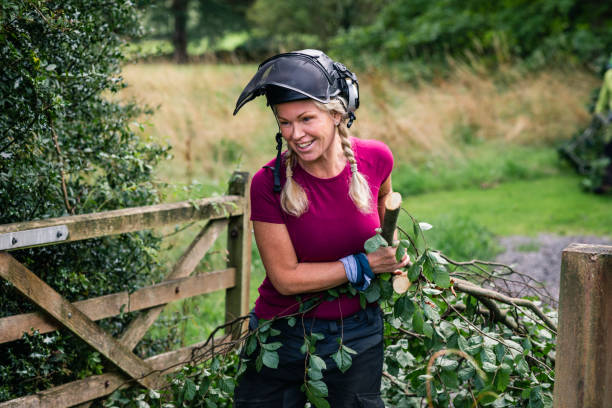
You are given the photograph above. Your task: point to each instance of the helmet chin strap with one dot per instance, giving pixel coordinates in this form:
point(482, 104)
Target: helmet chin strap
point(277, 162)
point(352, 118)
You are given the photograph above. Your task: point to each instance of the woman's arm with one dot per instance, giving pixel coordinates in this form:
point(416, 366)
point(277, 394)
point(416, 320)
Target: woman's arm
point(291, 277)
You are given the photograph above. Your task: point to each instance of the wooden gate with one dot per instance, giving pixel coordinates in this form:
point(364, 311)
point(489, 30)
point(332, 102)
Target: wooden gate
point(230, 211)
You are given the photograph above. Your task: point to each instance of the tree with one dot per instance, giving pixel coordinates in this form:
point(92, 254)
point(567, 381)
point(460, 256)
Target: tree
point(185, 21)
point(406, 30)
point(320, 19)
point(67, 148)
point(179, 38)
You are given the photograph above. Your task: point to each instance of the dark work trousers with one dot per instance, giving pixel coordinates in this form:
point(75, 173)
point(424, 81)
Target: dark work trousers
point(357, 387)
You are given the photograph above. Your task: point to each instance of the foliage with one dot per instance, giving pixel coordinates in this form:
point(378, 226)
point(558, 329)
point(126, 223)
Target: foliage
point(586, 152)
point(207, 21)
point(66, 149)
point(206, 385)
point(315, 21)
point(407, 30)
point(461, 237)
point(443, 344)
point(479, 165)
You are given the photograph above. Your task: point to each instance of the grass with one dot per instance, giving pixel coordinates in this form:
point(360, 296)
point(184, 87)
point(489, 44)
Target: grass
point(447, 120)
point(525, 207)
point(485, 164)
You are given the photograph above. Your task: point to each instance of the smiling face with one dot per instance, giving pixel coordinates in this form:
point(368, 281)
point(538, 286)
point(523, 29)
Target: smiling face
point(310, 132)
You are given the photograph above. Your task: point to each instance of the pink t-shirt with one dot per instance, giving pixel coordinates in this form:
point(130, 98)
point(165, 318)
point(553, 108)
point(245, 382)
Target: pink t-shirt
point(332, 227)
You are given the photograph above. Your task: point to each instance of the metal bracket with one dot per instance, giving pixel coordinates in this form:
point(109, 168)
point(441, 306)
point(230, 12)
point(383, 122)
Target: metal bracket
point(33, 237)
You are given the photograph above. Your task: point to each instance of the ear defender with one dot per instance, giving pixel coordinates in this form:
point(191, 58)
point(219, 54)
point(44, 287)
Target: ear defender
point(353, 94)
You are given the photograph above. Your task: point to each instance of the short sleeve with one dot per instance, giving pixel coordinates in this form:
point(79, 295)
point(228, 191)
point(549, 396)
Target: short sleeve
point(265, 203)
point(385, 161)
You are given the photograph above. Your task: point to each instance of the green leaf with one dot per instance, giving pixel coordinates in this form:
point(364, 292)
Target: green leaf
point(251, 345)
point(271, 346)
point(318, 402)
point(316, 337)
point(317, 362)
point(449, 378)
point(436, 257)
point(417, 320)
point(291, 321)
point(415, 270)
point(375, 242)
point(500, 352)
point(441, 277)
point(259, 361)
point(428, 330)
point(522, 367)
point(227, 385)
point(401, 251)
point(489, 367)
point(372, 293)
point(315, 374)
point(502, 378)
point(403, 308)
point(448, 364)
point(190, 389)
point(270, 359)
point(305, 346)
point(428, 270)
point(343, 358)
point(465, 373)
point(386, 287)
point(318, 388)
point(487, 355)
point(431, 313)
point(348, 349)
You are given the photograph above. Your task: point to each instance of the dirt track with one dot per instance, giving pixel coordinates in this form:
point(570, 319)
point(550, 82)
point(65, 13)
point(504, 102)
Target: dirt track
point(540, 256)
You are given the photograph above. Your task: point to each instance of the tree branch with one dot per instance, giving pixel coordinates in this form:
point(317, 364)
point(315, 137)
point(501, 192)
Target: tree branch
point(468, 287)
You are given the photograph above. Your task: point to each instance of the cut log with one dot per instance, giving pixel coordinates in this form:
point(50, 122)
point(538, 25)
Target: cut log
point(401, 283)
point(393, 203)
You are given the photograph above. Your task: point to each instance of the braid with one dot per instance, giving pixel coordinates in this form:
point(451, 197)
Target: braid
point(293, 197)
point(359, 190)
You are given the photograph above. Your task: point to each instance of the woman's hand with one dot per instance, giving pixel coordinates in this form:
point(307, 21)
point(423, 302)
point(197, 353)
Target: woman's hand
point(383, 260)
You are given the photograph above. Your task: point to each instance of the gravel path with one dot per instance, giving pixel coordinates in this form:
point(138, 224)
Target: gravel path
point(540, 256)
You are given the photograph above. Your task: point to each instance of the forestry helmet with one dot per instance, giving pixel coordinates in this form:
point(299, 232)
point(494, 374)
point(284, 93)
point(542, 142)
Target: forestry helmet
point(304, 74)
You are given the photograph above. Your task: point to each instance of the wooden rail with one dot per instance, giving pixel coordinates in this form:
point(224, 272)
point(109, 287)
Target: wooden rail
point(230, 211)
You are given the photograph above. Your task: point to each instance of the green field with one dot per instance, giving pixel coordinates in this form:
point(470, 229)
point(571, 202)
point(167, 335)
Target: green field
point(525, 207)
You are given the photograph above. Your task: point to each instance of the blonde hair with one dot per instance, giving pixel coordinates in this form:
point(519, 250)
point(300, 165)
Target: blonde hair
point(293, 197)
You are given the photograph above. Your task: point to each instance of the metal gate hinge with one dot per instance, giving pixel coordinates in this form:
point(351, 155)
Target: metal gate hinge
point(33, 237)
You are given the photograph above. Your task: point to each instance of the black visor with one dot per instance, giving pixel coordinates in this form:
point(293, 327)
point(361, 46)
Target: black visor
point(303, 74)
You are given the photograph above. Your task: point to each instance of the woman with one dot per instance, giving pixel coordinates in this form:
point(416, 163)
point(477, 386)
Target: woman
point(312, 210)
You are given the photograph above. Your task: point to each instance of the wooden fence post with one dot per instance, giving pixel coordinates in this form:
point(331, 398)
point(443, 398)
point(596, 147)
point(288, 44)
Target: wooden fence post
point(583, 369)
point(239, 253)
